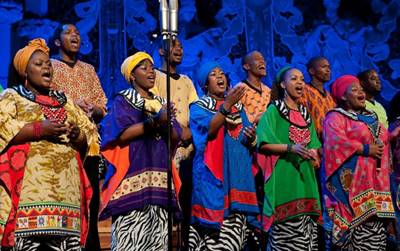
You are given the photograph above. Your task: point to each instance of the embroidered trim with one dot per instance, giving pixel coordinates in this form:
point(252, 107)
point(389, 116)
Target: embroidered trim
point(284, 112)
point(59, 96)
point(135, 100)
point(375, 129)
point(157, 179)
point(210, 104)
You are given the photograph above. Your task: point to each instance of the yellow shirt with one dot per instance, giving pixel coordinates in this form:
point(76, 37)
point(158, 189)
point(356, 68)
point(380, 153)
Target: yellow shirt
point(183, 94)
point(376, 107)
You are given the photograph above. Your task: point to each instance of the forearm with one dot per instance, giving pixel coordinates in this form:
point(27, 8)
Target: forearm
point(132, 133)
point(26, 134)
point(274, 148)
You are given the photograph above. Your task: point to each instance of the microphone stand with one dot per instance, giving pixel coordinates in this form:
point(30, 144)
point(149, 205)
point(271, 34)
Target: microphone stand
point(168, 35)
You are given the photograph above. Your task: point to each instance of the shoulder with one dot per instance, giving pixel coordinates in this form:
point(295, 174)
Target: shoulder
point(85, 65)
point(8, 93)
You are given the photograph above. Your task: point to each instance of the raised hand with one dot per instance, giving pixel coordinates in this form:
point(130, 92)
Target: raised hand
point(234, 95)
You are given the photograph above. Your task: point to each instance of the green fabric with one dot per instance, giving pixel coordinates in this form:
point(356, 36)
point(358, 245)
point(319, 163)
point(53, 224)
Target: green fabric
point(1, 88)
point(379, 110)
point(292, 177)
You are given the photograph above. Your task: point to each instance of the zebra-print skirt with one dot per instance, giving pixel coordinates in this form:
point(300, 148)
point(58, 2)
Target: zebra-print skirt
point(296, 234)
point(140, 230)
point(369, 236)
point(231, 237)
point(49, 243)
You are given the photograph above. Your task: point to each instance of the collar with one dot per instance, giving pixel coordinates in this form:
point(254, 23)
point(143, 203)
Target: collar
point(284, 111)
point(252, 86)
point(174, 76)
point(324, 93)
point(57, 95)
point(370, 119)
point(210, 104)
point(71, 65)
point(136, 100)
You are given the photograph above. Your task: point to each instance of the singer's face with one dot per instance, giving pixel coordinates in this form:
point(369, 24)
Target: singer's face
point(144, 75)
point(217, 82)
point(70, 39)
point(176, 52)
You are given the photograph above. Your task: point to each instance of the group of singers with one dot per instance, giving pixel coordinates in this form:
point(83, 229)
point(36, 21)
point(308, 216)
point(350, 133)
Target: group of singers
point(294, 167)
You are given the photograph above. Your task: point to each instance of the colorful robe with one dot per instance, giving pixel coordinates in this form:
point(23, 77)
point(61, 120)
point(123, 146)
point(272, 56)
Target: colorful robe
point(222, 179)
point(44, 189)
point(290, 184)
point(137, 172)
point(358, 186)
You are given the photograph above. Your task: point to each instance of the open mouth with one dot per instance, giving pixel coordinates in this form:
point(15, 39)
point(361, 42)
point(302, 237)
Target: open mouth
point(74, 41)
point(361, 98)
point(261, 67)
point(46, 76)
point(177, 55)
point(152, 78)
point(221, 83)
point(299, 90)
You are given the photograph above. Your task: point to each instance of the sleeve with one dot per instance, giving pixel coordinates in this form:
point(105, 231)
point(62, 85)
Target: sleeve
point(120, 116)
point(98, 96)
point(10, 126)
point(192, 91)
point(199, 124)
point(80, 118)
point(314, 143)
point(267, 127)
point(337, 146)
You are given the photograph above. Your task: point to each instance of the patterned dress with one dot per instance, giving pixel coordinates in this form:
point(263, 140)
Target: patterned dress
point(79, 82)
point(223, 185)
point(255, 101)
point(318, 104)
point(291, 204)
point(49, 188)
point(359, 198)
point(135, 189)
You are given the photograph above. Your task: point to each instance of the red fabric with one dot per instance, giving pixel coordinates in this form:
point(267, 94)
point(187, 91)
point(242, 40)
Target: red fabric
point(119, 158)
point(241, 197)
point(12, 170)
point(207, 214)
point(343, 136)
point(341, 84)
point(213, 158)
point(86, 196)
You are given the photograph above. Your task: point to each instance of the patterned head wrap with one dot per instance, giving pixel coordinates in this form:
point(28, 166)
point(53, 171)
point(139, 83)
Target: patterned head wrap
point(203, 71)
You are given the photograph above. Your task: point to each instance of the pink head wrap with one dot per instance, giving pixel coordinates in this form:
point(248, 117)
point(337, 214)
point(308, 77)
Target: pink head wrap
point(341, 84)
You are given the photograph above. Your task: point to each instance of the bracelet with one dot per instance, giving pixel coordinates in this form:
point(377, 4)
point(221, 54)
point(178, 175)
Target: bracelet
point(223, 111)
point(365, 150)
point(289, 148)
point(254, 143)
point(37, 130)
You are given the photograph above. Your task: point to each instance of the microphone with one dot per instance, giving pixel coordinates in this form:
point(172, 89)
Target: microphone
point(164, 18)
point(173, 10)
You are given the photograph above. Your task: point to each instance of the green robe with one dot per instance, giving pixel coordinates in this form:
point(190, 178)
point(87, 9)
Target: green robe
point(290, 187)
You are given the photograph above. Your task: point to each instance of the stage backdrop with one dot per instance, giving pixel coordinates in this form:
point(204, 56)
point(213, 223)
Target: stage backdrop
point(353, 35)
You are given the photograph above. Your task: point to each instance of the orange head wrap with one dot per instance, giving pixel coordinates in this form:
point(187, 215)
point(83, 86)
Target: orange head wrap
point(22, 56)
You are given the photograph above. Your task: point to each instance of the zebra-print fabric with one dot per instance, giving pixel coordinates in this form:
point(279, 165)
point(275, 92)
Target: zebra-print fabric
point(140, 230)
point(49, 243)
point(369, 236)
point(295, 234)
point(231, 237)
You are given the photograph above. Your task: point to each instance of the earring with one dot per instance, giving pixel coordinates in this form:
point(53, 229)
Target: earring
point(26, 82)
